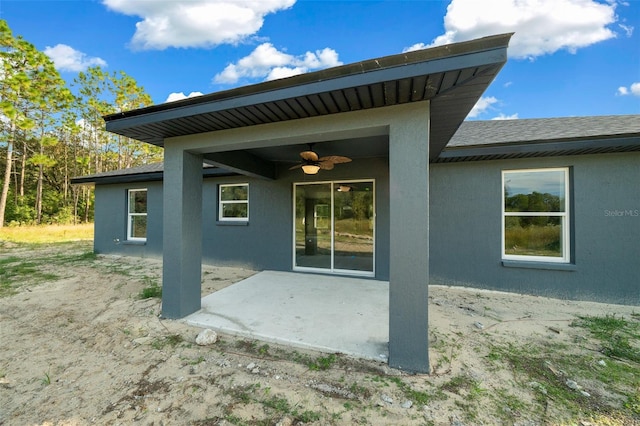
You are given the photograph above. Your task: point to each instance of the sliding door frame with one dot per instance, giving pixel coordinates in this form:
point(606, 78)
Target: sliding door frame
point(332, 269)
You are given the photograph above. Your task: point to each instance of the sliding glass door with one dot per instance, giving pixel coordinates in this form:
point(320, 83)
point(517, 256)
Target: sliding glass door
point(334, 227)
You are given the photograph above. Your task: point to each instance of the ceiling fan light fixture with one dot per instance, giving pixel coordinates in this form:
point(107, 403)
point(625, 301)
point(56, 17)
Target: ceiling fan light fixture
point(310, 169)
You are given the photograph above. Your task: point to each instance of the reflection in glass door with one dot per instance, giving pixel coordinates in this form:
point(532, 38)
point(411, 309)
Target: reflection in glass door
point(313, 226)
point(334, 227)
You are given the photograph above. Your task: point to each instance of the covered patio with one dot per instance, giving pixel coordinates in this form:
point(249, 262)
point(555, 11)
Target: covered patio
point(411, 103)
point(309, 311)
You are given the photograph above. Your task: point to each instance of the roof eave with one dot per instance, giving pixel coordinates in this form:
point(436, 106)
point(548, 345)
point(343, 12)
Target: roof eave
point(445, 52)
point(153, 124)
point(541, 149)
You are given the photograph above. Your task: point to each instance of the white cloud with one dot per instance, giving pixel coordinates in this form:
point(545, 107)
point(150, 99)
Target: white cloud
point(506, 117)
point(268, 63)
point(66, 58)
point(482, 106)
point(541, 26)
point(195, 23)
point(417, 46)
point(628, 29)
point(634, 90)
point(178, 96)
point(623, 91)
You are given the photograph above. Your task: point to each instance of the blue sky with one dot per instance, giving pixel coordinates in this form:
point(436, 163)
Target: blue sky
point(567, 57)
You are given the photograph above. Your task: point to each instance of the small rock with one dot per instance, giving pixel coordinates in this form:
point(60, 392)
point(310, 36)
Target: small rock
point(584, 393)
point(572, 385)
point(206, 337)
point(602, 363)
point(478, 325)
point(386, 398)
point(255, 370)
point(251, 366)
point(407, 404)
point(224, 363)
point(456, 422)
point(285, 421)
point(538, 386)
point(143, 340)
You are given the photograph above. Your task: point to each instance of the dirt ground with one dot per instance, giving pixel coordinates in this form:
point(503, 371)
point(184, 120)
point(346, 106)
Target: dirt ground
point(79, 346)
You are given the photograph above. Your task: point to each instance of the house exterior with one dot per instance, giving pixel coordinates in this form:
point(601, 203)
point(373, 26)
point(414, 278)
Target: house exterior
point(534, 206)
point(599, 157)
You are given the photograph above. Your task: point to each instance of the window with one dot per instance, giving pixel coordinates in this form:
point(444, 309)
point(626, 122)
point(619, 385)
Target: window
point(535, 215)
point(234, 202)
point(137, 215)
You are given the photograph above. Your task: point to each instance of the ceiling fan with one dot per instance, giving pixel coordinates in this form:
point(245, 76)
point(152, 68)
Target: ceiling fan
point(312, 163)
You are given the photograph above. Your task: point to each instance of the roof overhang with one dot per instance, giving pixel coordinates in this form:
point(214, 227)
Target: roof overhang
point(543, 137)
point(542, 149)
point(146, 173)
point(451, 77)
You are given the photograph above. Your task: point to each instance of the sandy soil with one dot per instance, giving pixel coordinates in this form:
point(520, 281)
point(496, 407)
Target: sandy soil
point(85, 349)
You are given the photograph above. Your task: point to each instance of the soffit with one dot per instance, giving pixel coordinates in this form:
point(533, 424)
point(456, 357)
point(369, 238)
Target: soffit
point(452, 77)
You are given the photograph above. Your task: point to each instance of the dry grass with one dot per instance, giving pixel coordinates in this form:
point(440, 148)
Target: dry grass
point(47, 233)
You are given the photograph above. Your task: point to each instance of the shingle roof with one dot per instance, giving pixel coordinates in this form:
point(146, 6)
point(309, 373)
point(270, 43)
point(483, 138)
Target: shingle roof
point(493, 132)
point(543, 137)
point(144, 173)
point(144, 169)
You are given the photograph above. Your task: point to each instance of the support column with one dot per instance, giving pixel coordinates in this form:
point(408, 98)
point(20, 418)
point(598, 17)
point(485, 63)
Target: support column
point(182, 232)
point(409, 241)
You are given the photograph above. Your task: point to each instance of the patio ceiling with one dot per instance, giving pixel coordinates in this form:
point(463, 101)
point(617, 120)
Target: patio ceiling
point(451, 77)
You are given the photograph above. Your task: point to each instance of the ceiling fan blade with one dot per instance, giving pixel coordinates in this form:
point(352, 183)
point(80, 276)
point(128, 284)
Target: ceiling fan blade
point(297, 166)
point(325, 165)
point(309, 156)
point(335, 159)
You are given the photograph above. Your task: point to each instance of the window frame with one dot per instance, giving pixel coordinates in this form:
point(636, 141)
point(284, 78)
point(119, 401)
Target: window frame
point(222, 203)
point(565, 219)
point(130, 214)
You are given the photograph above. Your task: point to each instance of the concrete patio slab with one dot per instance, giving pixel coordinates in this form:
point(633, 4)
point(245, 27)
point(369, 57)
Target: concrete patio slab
point(320, 312)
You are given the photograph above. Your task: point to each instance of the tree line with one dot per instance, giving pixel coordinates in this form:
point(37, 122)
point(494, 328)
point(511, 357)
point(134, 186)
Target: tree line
point(51, 131)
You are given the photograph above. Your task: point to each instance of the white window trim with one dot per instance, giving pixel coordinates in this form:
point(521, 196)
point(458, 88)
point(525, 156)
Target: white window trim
point(221, 203)
point(129, 214)
point(565, 215)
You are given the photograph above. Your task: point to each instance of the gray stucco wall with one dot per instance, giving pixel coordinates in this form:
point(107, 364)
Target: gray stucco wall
point(464, 225)
point(265, 242)
point(110, 236)
point(466, 229)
